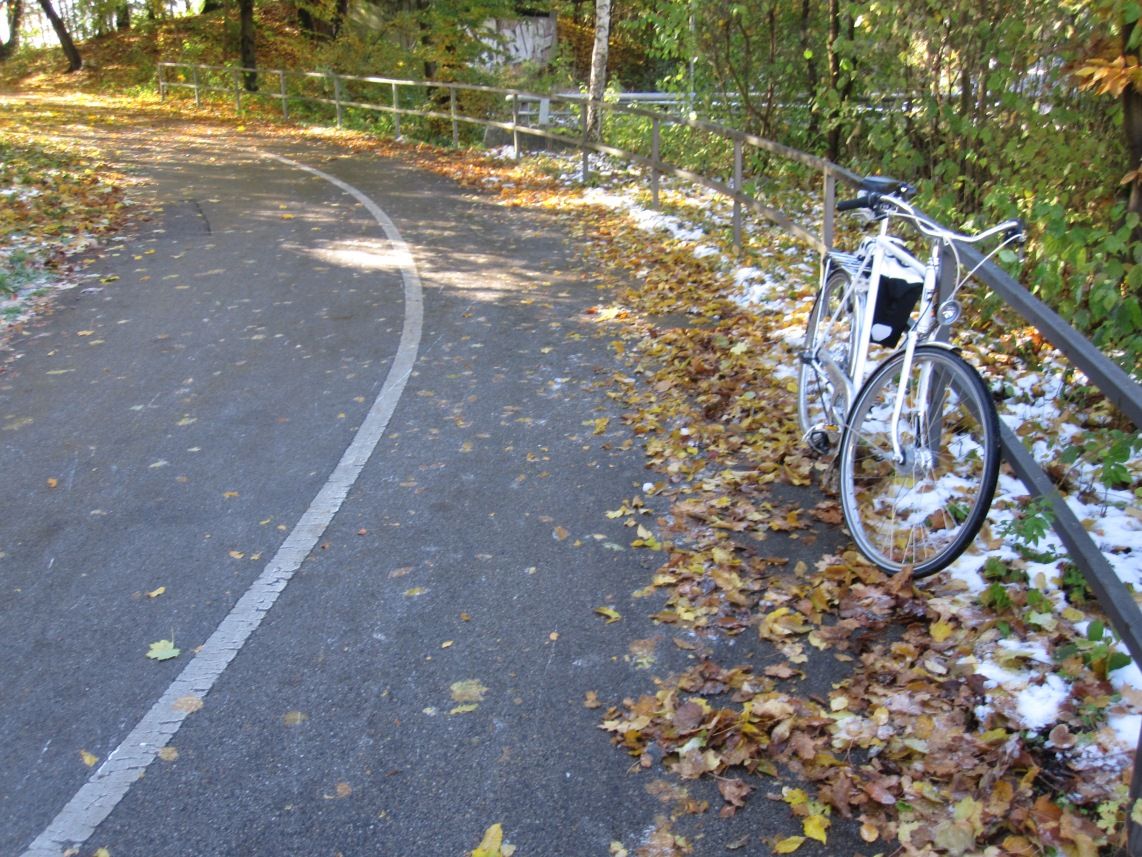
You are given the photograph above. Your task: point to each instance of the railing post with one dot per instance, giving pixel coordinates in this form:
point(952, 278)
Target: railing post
point(515, 125)
point(337, 95)
point(737, 194)
point(655, 154)
point(237, 74)
point(583, 131)
point(452, 111)
point(162, 83)
point(1133, 829)
point(830, 208)
point(197, 96)
point(396, 112)
point(282, 88)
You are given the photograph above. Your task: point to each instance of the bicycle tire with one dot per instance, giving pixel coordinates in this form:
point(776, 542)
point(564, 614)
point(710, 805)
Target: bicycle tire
point(833, 326)
point(925, 511)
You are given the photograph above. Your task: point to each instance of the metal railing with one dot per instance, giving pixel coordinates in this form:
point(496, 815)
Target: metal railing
point(504, 109)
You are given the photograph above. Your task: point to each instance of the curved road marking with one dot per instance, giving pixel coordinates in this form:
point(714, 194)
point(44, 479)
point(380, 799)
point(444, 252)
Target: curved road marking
point(113, 779)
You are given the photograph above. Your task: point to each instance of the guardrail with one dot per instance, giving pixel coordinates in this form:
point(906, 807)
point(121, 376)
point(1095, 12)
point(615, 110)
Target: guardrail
point(501, 109)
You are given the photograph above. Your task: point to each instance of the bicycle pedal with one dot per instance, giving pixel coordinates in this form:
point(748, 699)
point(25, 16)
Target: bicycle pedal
point(821, 440)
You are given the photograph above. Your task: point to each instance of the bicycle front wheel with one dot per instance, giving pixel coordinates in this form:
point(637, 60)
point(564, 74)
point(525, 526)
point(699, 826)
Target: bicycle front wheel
point(920, 502)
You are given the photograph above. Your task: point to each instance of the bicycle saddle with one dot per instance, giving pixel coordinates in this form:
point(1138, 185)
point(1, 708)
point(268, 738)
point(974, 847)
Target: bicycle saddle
point(885, 185)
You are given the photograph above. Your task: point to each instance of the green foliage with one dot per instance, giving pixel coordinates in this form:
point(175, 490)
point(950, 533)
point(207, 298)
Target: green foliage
point(1027, 528)
point(1112, 449)
point(974, 103)
point(996, 598)
point(998, 571)
point(14, 272)
point(1097, 650)
point(445, 40)
point(1075, 585)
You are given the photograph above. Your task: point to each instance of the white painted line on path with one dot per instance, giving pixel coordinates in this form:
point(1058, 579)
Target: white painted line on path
point(125, 765)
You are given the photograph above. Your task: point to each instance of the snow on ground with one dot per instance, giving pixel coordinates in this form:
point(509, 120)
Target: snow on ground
point(1022, 674)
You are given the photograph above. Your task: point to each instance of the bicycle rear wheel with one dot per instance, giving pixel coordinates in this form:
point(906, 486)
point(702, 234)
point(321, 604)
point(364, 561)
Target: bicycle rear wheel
point(829, 336)
point(925, 510)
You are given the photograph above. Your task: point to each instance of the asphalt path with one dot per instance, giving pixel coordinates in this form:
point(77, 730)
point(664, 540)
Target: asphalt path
point(327, 423)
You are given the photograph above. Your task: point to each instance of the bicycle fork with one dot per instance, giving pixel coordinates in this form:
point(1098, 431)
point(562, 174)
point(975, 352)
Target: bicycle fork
point(917, 330)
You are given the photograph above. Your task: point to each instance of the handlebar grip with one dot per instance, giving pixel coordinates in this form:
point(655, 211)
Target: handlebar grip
point(863, 201)
point(1017, 231)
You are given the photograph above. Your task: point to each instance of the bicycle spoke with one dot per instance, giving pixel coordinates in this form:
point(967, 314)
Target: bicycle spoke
point(829, 338)
point(923, 510)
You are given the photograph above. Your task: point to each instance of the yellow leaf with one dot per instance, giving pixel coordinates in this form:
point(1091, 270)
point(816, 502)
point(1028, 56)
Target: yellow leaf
point(815, 827)
point(236, 554)
point(794, 797)
point(601, 424)
point(101, 852)
point(788, 845)
point(415, 591)
point(941, 630)
point(609, 613)
point(53, 482)
point(89, 759)
point(492, 844)
point(470, 690)
point(155, 593)
point(168, 754)
point(294, 718)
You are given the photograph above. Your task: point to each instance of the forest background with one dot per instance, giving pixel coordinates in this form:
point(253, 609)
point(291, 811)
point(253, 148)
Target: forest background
point(1016, 109)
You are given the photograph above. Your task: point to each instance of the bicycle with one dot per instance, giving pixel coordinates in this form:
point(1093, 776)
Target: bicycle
point(917, 438)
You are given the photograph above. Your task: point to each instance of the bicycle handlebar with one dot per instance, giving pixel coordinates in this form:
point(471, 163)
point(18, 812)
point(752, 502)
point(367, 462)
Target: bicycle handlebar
point(1013, 230)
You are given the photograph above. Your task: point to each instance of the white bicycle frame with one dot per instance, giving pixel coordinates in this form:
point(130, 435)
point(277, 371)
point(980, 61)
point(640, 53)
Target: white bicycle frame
point(864, 307)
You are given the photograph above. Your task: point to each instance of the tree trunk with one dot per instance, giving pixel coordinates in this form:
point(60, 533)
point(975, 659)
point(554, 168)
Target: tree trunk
point(833, 151)
point(1132, 125)
point(74, 60)
point(598, 84)
point(15, 16)
point(246, 43)
point(811, 82)
point(340, 13)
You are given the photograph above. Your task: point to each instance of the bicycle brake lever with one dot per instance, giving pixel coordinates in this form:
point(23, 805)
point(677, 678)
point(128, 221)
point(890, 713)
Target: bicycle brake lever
point(1016, 232)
